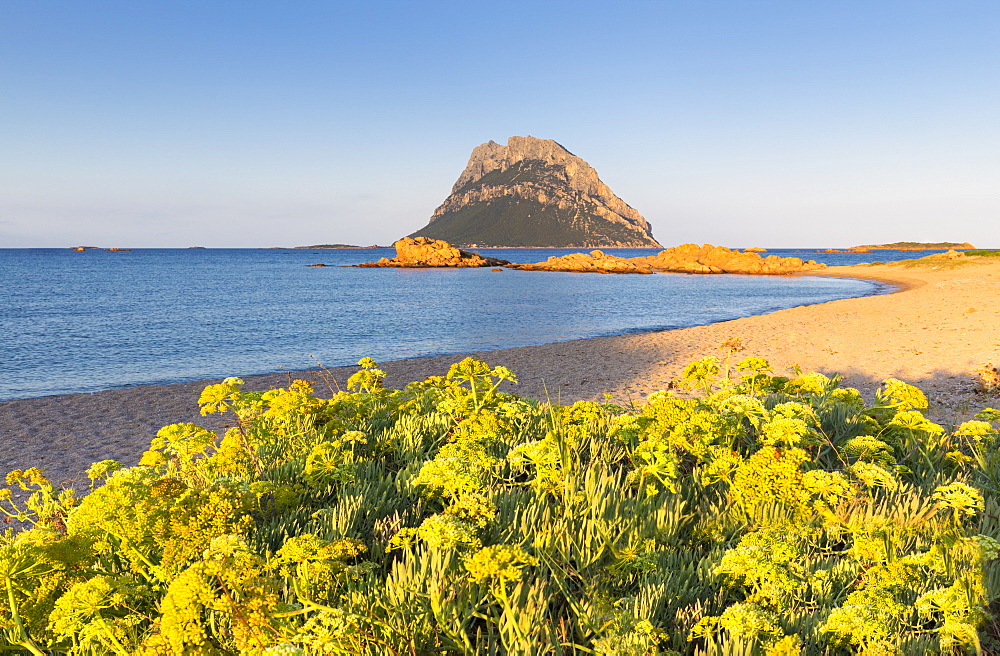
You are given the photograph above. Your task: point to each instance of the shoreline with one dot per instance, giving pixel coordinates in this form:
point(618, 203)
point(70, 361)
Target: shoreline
point(884, 285)
point(937, 324)
point(901, 283)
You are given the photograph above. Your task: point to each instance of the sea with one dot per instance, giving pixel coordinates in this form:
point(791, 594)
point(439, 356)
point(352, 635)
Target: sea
point(85, 321)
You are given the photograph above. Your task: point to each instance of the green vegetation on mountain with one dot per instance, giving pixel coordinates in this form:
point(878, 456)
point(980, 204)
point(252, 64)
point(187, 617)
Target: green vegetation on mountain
point(756, 515)
point(533, 192)
point(514, 221)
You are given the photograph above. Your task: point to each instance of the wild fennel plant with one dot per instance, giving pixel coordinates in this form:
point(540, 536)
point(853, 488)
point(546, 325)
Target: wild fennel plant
point(762, 515)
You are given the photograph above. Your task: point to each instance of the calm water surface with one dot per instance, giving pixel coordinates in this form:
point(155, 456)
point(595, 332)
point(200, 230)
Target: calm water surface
point(93, 320)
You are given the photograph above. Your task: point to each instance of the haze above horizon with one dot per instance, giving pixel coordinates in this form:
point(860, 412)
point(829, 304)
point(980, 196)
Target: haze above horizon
point(256, 124)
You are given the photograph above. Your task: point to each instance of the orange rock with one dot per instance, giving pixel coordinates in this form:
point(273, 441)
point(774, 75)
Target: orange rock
point(422, 252)
point(951, 254)
point(594, 262)
point(691, 258)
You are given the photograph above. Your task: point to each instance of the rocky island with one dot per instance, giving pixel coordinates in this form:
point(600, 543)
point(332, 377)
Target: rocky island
point(914, 246)
point(424, 253)
point(691, 258)
point(339, 246)
point(534, 193)
point(593, 262)
point(686, 258)
point(421, 252)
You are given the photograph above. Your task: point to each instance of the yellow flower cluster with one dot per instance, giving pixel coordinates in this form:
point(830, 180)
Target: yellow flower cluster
point(758, 515)
point(500, 563)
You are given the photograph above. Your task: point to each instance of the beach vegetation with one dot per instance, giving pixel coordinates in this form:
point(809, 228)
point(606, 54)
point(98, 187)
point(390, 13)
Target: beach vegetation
point(987, 377)
point(752, 514)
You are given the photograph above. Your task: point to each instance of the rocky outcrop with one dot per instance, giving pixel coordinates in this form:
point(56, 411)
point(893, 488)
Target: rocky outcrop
point(688, 258)
point(534, 193)
point(950, 254)
point(421, 252)
point(593, 262)
point(691, 258)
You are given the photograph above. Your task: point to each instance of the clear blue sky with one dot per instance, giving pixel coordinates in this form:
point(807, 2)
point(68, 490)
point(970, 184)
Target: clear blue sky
point(242, 123)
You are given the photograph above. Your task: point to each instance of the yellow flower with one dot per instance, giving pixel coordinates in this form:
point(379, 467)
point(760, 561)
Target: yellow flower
point(500, 562)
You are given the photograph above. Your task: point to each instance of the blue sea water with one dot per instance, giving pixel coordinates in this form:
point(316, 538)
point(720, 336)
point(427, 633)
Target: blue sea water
point(92, 320)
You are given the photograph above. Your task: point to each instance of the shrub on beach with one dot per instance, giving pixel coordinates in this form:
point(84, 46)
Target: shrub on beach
point(987, 377)
point(759, 515)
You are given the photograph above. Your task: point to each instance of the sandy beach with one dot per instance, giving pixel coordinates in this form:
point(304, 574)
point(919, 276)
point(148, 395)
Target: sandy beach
point(941, 324)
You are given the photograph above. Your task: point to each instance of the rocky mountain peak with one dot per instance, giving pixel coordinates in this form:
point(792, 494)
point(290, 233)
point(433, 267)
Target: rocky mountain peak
point(534, 192)
point(491, 156)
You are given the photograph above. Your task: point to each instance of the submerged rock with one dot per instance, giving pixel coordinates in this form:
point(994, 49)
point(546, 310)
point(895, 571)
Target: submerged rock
point(422, 252)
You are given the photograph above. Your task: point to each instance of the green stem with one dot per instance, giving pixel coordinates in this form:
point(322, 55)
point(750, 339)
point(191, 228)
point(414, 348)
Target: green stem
point(26, 642)
point(508, 610)
point(149, 574)
point(116, 645)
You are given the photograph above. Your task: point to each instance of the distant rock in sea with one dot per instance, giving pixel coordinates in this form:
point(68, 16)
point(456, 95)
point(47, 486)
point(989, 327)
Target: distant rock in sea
point(912, 246)
point(534, 193)
point(422, 253)
point(341, 246)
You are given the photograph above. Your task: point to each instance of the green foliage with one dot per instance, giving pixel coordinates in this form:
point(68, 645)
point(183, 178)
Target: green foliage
point(757, 515)
point(515, 221)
